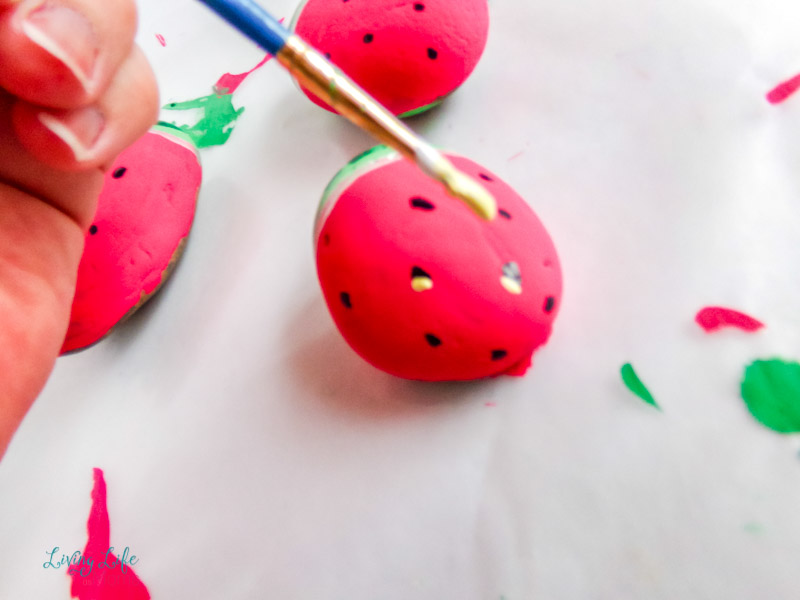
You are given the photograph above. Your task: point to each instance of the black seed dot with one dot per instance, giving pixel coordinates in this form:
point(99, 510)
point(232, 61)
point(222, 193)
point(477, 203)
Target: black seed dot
point(368, 38)
point(432, 54)
point(93, 229)
point(433, 340)
point(119, 172)
point(485, 177)
point(419, 7)
point(417, 272)
point(421, 203)
point(504, 213)
point(549, 303)
point(326, 239)
point(345, 298)
point(499, 354)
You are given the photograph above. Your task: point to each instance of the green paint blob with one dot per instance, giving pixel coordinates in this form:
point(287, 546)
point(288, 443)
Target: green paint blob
point(771, 390)
point(634, 384)
point(217, 123)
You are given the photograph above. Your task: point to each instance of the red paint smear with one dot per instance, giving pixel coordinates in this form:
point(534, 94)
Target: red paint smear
point(106, 583)
point(161, 39)
point(712, 318)
point(783, 90)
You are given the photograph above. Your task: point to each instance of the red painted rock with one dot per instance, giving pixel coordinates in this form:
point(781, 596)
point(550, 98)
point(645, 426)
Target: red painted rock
point(408, 54)
point(423, 288)
point(144, 214)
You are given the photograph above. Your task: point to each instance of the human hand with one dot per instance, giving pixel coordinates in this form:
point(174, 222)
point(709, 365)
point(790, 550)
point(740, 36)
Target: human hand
point(74, 91)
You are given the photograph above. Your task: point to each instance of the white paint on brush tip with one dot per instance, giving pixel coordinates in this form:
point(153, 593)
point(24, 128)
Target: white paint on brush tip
point(458, 184)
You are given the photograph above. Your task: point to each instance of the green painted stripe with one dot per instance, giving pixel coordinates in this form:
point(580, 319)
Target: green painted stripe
point(421, 109)
point(353, 169)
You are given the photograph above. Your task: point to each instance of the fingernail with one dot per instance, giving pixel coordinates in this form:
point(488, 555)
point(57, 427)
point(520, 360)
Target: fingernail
point(65, 34)
point(78, 129)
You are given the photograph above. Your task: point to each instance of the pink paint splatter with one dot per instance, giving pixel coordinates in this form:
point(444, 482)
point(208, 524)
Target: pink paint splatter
point(228, 83)
point(517, 155)
point(161, 39)
point(491, 404)
point(109, 577)
point(783, 90)
point(712, 318)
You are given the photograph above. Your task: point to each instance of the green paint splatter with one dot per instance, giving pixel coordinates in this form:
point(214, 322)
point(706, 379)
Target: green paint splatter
point(634, 384)
point(771, 390)
point(217, 123)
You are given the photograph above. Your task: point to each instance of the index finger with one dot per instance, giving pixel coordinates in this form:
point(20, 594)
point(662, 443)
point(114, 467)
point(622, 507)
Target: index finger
point(63, 53)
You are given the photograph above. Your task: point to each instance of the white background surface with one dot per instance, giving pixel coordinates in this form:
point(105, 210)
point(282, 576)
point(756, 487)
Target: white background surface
point(249, 453)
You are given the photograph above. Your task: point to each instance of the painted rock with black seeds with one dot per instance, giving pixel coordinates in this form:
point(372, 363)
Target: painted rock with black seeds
point(144, 213)
point(423, 288)
point(409, 55)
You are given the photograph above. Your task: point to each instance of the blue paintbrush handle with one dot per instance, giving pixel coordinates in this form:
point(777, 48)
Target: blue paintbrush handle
point(312, 70)
point(253, 21)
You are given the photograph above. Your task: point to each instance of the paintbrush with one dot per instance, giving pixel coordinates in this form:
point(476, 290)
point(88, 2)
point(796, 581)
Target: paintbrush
point(314, 72)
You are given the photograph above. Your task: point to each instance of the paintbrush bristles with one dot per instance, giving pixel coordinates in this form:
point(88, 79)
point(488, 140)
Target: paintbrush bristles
point(319, 76)
point(458, 183)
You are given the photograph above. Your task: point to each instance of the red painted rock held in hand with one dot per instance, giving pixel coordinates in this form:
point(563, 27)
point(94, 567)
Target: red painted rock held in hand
point(144, 214)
